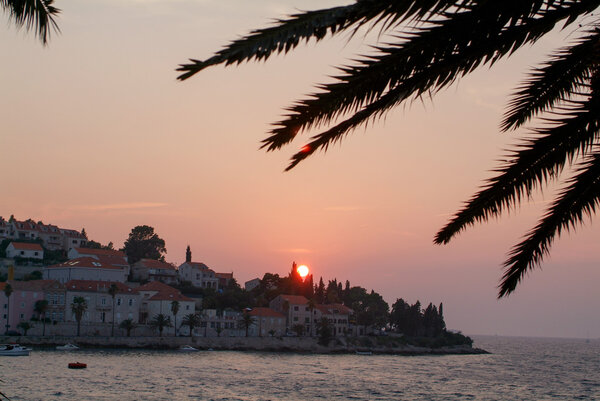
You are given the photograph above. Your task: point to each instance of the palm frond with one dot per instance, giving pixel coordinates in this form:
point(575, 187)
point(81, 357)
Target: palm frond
point(37, 15)
point(579, 200)
point(533, 163)
point(555, 82)
point(288, 33)
point(427, 60)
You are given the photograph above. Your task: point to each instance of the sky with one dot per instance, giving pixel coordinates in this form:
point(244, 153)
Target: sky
point(97, 133)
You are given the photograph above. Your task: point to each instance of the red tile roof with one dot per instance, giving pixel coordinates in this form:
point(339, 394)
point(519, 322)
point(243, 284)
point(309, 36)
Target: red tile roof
point(163, 292)
point(295, 299)
point(330, 309)
point(32, 285)
point(265, 312)
point(100, 252)
point(227, 276)
point(24, 246)
point(97, 286)
point(156, 264)
point(87, 262)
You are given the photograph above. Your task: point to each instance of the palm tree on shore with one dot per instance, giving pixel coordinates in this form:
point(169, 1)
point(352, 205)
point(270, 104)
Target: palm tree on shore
point(128, 325)
point(112, 291)
point(8, 290)
point(33, 15)
point(191, 320)
point(78, 307)
point(40, 308)
point(175, 310)
point(161, 321)
point(246, 321)
point(429, 46)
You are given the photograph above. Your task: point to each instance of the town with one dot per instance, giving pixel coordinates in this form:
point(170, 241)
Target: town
point(58, 282)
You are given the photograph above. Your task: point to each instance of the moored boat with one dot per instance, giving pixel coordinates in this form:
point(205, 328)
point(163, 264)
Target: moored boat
point(77, 365)
point(13, 350)
point(187, 348)
point(67, 347)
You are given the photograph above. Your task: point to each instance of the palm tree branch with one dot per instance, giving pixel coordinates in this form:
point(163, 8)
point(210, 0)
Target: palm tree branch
point(577, 201)
point(444, 50)
point(35, 15)
point(533, 163)
point(288, 33)
point(558, 80)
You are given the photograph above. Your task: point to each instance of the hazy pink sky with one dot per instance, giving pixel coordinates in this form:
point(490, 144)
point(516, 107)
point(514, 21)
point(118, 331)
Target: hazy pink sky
point(97, 133)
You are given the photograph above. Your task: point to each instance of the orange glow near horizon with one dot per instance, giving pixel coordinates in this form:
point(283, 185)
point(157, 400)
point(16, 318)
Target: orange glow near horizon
point(302, 271)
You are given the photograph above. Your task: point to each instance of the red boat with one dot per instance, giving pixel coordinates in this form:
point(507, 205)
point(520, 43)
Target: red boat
point(77, 365)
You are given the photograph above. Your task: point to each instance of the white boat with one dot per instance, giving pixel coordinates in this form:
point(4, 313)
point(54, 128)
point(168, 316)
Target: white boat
point(187, 348)
point(13, 350)
point(67, 347)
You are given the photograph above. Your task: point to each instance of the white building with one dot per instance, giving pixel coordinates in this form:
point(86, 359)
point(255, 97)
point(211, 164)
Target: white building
point(198, 274)
point(86, 268)
point(24, 250)
point(157, 298)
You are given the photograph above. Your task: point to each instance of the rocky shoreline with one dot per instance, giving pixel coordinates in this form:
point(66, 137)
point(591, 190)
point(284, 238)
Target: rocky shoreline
point(260, 344)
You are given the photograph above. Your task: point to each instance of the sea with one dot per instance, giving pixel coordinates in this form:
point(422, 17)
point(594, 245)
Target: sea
point(516, 369)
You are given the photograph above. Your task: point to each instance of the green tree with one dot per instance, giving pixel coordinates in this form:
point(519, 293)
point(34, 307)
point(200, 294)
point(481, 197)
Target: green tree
point(426, 49)
point(40, 307)
point(144, 243)
point(8, 290)
point(161, 321)
point(175, 310)
point(246, 321)
point(36, 15)
point(25, 326)
point(78, 307)
point(128, 325)
point(191, 320)
point(298, 329)
point(112, 291)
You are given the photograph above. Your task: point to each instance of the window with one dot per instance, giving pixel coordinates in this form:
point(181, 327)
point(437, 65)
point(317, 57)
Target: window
point(295, 318)
point(129, 316)
point(22, 252)
point(130, 302)
point(118, 301)
point(35, 253)
point(74, 241)
point(62, 298)
point(35, 294)
point(103, 302)
point(103, 316)
point(295, 308)
point(306, 320)
point(187, 307)
point(22, 304)
point(22, 315)
point(306, 308)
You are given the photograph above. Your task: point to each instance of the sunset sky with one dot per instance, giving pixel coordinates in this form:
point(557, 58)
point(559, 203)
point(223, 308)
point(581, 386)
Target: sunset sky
point(98, 133)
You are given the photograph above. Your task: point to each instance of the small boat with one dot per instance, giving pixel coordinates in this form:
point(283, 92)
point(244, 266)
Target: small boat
point(364, 353)
point(187, 348)
point(13, 350)
point(77, 365)
point(67, 347)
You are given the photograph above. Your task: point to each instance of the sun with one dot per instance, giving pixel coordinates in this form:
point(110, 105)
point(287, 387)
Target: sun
point(302, 271)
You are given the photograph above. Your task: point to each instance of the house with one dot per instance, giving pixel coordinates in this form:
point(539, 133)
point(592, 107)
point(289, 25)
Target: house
point(224, 279)
point(72, 239)
point(296, 310)
point(21, 307)
point(154, 270)
point(100, 307)
point(224, 323)
point(24, 250)
point(267, 322)
point(338, 316)
point(196, 273)
point(87, 268)
point(157, 298)
point(251, 284)
point(53, 237)
point(5, 229)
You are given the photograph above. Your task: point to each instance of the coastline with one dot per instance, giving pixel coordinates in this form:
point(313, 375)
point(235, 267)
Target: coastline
point(307, 345)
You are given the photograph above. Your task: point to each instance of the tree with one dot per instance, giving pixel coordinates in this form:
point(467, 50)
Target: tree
point(40, 307)
point(33, 15)
point(427, 48)
point(298, 329)
point(175, 310)
point(191, 320)
point(112, 291)
point(128, 325)
point(246, 321)
point(78, 307)
point(144, 243)
point(8, 290)
point(25, 326)
point(161, 321)
point(324, 331)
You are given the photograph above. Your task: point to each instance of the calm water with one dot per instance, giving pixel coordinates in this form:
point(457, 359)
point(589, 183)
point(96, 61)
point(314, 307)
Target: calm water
point(518, 369)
